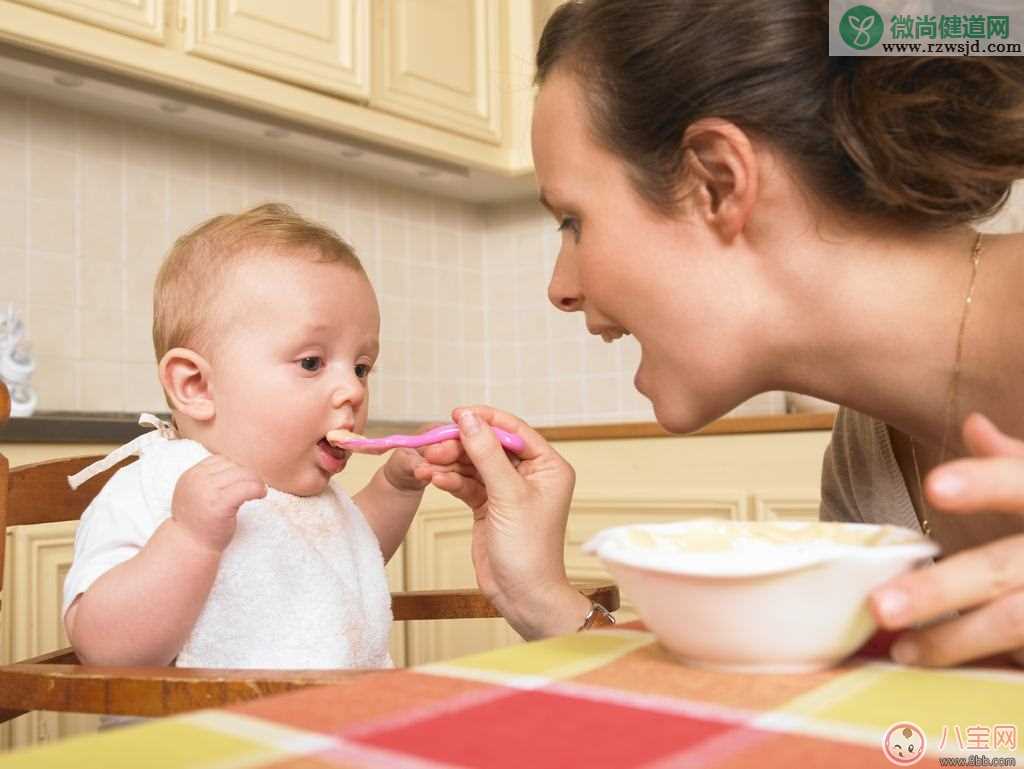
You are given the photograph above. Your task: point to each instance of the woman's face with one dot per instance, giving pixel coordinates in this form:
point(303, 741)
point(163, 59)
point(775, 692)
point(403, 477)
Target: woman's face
point(631, 269)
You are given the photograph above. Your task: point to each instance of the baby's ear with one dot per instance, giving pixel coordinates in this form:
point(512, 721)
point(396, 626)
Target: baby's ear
point(185, 376)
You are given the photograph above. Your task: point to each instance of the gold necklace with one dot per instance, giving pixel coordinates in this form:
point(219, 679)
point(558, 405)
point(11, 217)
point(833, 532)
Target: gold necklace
point(954, 383)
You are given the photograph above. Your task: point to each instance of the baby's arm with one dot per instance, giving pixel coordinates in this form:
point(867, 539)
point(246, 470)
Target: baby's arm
point(391, 499)
point(142, 611)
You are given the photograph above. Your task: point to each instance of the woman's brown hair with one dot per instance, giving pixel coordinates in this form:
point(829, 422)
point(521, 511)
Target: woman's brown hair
point(930, 142)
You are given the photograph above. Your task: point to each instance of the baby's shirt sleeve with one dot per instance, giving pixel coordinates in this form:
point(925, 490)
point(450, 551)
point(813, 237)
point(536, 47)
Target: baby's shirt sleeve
point(127, 511)
point(115, 526)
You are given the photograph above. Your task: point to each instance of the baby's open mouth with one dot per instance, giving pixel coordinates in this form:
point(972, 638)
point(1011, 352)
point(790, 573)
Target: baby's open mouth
point(334, 451)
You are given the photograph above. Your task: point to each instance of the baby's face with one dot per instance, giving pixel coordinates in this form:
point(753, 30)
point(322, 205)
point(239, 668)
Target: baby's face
point(290, 360)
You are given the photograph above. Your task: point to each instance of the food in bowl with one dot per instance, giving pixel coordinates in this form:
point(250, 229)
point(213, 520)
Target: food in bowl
point(761, 596)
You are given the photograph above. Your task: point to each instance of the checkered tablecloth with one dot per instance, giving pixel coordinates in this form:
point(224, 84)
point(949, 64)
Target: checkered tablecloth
point(606, 698)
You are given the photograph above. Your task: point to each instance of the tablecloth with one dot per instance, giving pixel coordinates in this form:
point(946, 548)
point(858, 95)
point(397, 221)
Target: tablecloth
point(606, 698)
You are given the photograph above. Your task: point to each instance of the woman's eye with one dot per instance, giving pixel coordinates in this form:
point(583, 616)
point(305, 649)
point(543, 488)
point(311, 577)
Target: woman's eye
point(312, 363)
point(362, 370)
point(572, 224)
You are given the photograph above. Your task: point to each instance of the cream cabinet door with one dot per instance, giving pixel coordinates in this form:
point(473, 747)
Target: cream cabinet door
point(787, 505)
point(38, 559)
point(438, 557)
point(139, 18)
point(438, 62)
point(320, 44)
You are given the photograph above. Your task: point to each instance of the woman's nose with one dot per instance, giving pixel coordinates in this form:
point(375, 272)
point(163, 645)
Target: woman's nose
point(563, 290)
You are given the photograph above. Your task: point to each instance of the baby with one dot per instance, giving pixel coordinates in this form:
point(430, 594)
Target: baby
point(225, 545)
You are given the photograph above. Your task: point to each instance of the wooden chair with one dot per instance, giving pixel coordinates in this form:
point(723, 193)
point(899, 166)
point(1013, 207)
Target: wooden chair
point(39, 493)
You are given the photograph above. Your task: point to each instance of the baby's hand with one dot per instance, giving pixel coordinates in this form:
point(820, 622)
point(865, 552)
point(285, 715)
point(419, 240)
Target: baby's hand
point(207, 497)
point(400, 470)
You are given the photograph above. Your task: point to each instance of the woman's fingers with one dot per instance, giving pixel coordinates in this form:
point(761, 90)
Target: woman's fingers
point(967, 579)
point(469, 490)
point(487, 454)
point(426, 470)
point(990, 481)
point(443, 453)
point(985, 585)
point(993, 484)
point(984, 439)
point(535, 443)
point(990, 629)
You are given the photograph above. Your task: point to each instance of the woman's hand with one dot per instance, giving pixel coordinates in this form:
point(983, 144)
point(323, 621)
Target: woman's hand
point(520, 506)
point(984, 584)
point(411, 470)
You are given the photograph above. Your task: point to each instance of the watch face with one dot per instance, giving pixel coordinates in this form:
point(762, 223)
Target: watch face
point(598, 616)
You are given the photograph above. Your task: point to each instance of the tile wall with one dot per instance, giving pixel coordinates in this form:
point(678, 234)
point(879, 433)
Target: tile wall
point(89, 204)
point(541, 358)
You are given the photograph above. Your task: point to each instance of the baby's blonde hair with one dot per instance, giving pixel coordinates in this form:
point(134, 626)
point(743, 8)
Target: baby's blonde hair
point(190, 278)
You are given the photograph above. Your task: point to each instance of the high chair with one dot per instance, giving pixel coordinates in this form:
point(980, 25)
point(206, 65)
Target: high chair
point(39, 493)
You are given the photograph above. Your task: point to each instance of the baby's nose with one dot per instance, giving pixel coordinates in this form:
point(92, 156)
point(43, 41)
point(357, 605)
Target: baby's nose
point(348, 393)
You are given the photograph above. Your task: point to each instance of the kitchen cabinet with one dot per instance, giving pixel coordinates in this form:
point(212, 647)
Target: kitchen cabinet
point(319, 44)
point(448, 80)
point(142, 19)
point(438, 61)
point(37, 560)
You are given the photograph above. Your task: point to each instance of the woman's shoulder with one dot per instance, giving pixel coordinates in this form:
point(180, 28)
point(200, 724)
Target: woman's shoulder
point(851, 424)
point(860, 445)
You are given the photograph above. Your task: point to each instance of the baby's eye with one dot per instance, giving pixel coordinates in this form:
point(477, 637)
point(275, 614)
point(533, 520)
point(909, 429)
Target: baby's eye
point(362, 370)
point(312, 363)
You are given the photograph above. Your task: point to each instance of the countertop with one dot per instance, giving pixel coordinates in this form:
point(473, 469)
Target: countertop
point(80, 427)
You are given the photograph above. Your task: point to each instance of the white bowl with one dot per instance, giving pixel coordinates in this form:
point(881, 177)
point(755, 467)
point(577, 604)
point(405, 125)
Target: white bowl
point(766, 596)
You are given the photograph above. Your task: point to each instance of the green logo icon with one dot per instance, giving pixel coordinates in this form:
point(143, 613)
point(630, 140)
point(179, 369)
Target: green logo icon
point(861, 27)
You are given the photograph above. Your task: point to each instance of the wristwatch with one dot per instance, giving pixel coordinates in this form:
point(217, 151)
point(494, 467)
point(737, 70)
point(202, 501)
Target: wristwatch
point(598, 616)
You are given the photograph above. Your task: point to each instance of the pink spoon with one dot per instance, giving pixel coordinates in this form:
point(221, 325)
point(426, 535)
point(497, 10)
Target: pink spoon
point(344, 439)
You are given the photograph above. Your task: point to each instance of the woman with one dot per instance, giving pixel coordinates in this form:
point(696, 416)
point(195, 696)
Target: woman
point(761, 216)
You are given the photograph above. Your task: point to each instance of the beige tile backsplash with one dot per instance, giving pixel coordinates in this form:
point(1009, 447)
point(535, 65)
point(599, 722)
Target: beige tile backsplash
point(89, 204)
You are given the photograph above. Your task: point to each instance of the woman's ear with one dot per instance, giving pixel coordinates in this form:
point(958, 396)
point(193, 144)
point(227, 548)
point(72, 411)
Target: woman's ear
point(185, 376)
point(720, 169)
